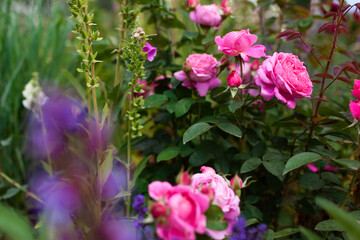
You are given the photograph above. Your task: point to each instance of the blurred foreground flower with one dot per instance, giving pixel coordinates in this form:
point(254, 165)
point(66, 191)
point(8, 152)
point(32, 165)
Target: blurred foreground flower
point(33, 94)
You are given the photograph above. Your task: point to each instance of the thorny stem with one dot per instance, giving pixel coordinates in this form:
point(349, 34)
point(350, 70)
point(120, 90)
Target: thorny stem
point(18, 186)
point(322, 92)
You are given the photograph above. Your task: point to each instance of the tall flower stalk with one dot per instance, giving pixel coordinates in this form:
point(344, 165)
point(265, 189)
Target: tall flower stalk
point(134, 57)
point(83, 29)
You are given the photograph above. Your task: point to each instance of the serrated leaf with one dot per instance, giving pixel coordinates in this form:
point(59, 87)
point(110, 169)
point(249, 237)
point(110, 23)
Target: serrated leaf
point(216, 225)
point(183, 106)
point(168, 153)
point(250, 165)
point(195, 131)
point(349, 163)
point(200, 157)
point(231, 129)
point(329, 225)
point(299, 160)
point(311, 181)
point(276, 168)
point(286, 232)
point(155, 100)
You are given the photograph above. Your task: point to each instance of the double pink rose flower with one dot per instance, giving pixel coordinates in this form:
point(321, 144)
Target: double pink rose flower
point(224, 197)
point(355, 105)
point(283, 76)
point(206, 15)
point(180, 210)
point(240, 43)
point(200, 71)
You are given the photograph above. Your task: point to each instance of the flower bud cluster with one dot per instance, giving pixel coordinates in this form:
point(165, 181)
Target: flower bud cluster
point(135, 57)
point(83, 23)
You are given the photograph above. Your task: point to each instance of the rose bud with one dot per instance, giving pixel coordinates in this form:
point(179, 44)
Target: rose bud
point(192, 3)
point(224, 60)
point(356, 91)
point(234, 79)
point(158, 210)
point(355, 109)
point(208, 192)
point(236, 182)
point(183, 178)
point(255, 65)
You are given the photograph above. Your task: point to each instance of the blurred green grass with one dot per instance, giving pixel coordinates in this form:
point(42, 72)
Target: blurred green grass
point(33, 38)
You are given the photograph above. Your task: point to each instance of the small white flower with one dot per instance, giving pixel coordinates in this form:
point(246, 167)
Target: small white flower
point(34, 95)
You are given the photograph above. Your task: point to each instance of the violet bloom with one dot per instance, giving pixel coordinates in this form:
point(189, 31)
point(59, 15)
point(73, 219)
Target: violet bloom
point(151, 51)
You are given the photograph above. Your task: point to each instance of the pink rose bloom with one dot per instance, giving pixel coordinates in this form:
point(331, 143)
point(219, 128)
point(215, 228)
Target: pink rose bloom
point(356, 91)
point(355, 109)
point(284, 76)
point(201, 71)
point(234, 79)
point(327, 168)
point(224, 197)
point(207, 15)
point(240, 43)
point(227, 9)
point(185, 215)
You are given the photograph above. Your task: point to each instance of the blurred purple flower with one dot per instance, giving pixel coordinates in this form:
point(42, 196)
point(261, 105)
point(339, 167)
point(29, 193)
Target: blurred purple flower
point(241, 233)
point(115, 183)
point(151, 51)
point(59, 116)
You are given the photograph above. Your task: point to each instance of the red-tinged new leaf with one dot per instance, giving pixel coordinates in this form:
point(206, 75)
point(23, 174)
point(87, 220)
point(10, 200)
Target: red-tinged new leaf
point(337, 70)
point(345, 8)
point(344, 29)
point(293, 36)
point(357, 5)
point(352, 67)
point(316, 81)
point(325, 58)
point(330, 14)
point(324, 75)
point(326, 26)
point(344, 79)
point(285, 33)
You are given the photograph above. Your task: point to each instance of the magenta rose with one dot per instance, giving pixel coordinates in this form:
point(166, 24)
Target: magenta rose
point(201, 71)
point(284, 76)
point(240, 43)
point(224, 197)
point(206, 15)
point(185, 211)
point(355, 109)
point(356, 91)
